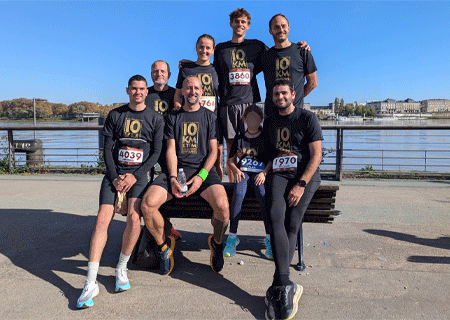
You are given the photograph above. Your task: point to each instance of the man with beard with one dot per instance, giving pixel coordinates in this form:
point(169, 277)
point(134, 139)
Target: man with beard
point(133, 139)
point(293, 139)
point(192, 146)
point(287, 60)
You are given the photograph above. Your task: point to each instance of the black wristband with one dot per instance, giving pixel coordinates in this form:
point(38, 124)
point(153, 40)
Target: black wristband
point(170, 177)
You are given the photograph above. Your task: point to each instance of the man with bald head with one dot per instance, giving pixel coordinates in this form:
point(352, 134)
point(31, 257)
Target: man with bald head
point(191, 138)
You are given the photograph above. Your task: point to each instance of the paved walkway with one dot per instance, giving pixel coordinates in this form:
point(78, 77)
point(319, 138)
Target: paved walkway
point(386, 257)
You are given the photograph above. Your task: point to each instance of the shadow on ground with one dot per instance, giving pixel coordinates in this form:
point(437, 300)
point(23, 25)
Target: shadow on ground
point(45, 243)
point(440, 243)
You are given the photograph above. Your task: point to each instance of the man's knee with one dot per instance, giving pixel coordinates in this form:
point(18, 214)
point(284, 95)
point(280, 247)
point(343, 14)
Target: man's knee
point(104, 216)
point(152, 200)
point(222, 209)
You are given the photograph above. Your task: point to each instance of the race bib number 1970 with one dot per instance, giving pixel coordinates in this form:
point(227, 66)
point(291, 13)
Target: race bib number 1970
point(285, 163)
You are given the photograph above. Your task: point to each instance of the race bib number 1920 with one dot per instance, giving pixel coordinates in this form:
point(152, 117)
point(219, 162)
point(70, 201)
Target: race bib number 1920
point(130, 156)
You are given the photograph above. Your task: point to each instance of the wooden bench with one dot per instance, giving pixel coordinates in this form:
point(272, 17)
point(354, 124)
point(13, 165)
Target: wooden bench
point(320, 210)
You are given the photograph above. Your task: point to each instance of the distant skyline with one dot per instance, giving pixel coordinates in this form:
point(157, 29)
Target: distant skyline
point(73, 51)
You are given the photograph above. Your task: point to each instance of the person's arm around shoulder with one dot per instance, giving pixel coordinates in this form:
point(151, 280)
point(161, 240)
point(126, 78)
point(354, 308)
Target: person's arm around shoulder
point(296, 193)
point(311, 83)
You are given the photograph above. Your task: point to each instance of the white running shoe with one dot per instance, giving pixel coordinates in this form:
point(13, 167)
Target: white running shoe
point(122, 282)
point(90, 290)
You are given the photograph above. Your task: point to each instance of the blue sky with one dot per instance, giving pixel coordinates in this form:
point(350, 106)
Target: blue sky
point(86, 51)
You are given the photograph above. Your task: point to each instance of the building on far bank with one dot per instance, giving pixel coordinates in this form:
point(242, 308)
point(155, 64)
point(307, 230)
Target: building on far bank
point(435, 105)
point(396, 106)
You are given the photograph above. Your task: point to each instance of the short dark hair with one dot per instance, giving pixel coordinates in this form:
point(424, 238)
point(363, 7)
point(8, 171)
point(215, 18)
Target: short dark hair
point(137, 77)
point(207, 36)
point(277, 15)
point(284, 82)
point(239, 12)
point(253, 107)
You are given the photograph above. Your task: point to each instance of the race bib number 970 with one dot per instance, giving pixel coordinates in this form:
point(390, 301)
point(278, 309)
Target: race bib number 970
point(130, 156)
point(285, 163)
point(239, 77)
point(250, 165)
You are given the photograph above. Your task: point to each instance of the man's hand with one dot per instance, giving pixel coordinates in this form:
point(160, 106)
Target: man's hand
point(183, 62)
point(176, 188)
point(195, 183)
point(126, 182)
point(304, 45)
point(116, 182)
point(295, 195)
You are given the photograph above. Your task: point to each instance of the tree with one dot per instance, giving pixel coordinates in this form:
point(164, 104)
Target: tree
point(336, 105)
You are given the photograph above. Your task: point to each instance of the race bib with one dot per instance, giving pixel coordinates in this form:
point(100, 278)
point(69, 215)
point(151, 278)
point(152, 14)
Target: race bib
point(208, 102)
point(130, 156)
point(239, 77)
point(285, 163)
point(250, 165)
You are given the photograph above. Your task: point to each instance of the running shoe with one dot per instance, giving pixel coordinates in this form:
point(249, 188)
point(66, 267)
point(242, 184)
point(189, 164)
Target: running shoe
point(284, 301)
point(230, 247)
point(90, 290)
point(175, 234)
point(270, 311)
point(269, 253)
point(166, 256)
point(122, 282)
point(216, 259)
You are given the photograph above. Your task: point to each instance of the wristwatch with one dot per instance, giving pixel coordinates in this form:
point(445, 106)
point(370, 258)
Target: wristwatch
point(302, 183)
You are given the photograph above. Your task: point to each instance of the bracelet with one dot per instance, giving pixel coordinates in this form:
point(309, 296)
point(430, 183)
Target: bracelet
point(170, 178)
point(203, 174)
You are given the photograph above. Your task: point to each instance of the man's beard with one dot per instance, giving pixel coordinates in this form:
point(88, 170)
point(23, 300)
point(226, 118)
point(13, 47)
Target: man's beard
point(161, 83)
point(193, 99)
point(284, 105)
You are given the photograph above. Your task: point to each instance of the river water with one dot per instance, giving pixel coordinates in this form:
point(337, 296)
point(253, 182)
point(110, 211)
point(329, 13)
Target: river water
point(421, 150)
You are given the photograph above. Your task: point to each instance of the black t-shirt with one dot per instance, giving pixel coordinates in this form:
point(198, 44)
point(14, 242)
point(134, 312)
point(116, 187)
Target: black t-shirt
point(208, 78)
point(160, 101)
point(237, 65)
point(136, 135)
point(291, 134)
point(192, 132)
point(291, 63)
point(249, 147)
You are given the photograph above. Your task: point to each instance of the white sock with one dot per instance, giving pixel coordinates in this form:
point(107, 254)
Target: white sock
point(232, 235)
point(92, 271)
point(123, 260)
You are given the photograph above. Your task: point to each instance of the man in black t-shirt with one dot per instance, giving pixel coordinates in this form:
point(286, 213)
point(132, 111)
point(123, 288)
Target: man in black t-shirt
point(287, 60)
point(160, 95)
point(293, 139)
point(133, 139)
point(192, 146)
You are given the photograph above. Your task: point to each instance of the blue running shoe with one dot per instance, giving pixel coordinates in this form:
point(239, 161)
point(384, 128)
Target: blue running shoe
point(269, 253)
point(90, 290)
point(230, 247)
point(166, 261)
point(122, 282)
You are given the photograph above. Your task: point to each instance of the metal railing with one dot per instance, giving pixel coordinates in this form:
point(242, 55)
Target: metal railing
point(341, 152)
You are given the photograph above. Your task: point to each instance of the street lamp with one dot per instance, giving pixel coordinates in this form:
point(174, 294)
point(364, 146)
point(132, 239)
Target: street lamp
point(34, 112)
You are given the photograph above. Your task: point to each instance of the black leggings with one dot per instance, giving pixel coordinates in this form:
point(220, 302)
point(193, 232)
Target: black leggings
point(285, 221)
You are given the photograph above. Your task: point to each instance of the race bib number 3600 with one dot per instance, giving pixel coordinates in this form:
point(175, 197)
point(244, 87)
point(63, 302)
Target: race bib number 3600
point(239, 77)
point(285, 163)
point(130, 156)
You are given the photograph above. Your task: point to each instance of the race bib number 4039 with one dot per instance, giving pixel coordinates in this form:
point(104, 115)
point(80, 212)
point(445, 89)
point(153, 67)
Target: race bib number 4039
point(285, 163)
point(239, 77)
point(130, 156)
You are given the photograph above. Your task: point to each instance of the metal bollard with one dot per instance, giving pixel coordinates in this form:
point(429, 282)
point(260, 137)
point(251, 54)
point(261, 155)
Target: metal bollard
point(33, 149)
